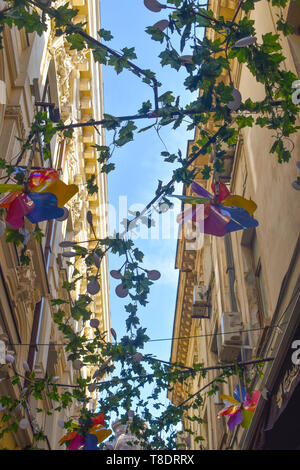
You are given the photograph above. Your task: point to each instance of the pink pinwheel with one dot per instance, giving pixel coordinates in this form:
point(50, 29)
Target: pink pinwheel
point(239, 409)
point(89, 441)
point(220, 213)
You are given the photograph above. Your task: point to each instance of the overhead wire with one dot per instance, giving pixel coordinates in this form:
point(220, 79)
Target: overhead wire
point(160, 339)
point(116, 380)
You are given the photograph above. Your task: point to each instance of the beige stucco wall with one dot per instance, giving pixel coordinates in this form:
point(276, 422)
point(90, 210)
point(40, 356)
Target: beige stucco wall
point(256, 174)
point(26, 59)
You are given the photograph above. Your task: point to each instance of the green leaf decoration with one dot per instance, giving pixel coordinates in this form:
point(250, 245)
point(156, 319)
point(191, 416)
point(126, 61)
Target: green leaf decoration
point(105, 34)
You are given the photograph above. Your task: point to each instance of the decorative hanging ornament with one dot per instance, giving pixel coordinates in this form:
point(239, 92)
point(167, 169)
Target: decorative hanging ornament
point(247, 41)
point(121, 291)
point(69, 254)
point(296, 185)
point(90, 439)
point(137, 357)
point(41, 198)
point(9, 358)
point(237, 99)
point(116, 274)
point(66, 244)
point(92, 387)
point(93, 287)
point(153, 275)
point(220, 213)
point(97, 260)
point(94, 323)
point(186, 59)
point(64, 216)
point(89, 217)
point(24, 423)
point(161, 25)
point(240, 409)
point(77, 364)
point(105, 364)
point(296, 182)
point(96, 374)
point(114, 334)
point(154, 5)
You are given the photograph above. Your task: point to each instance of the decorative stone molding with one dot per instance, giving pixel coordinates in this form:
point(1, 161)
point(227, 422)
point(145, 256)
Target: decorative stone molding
point(15, 112)
point(27, 291)
point(66, 61)
point(286, 384)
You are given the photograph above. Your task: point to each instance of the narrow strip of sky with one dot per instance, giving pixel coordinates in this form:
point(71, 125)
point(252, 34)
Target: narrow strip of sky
point(139, 164)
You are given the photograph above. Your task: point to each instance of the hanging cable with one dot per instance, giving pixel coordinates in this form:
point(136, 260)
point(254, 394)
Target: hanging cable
point(158, 339)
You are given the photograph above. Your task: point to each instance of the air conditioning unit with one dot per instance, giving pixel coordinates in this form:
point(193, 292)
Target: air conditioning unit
point(229, 341)
point(200, 301)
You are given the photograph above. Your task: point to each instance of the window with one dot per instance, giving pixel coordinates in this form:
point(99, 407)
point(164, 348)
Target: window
point(47, 101)
point(254, 280)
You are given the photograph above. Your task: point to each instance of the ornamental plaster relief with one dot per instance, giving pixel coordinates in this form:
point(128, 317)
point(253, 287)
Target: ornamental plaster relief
point(66, 62)
point(77, 209)
point(22, 285)
point(64, 68)
point(15, 112)
point(71, 159)
point(286, 384)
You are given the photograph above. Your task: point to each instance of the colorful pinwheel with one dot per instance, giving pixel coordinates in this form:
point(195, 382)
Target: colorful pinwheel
point(42, 198)
point(218, 214)
point(240, 410)
point(96, 434)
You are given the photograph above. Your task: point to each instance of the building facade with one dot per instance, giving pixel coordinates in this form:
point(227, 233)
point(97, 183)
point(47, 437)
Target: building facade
point(43, 69)
point(251, 278)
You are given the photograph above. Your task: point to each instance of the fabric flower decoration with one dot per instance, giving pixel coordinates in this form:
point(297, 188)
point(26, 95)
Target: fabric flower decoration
point(239, 409)
point(218, 214)
point(96, 434)
point(41, 199)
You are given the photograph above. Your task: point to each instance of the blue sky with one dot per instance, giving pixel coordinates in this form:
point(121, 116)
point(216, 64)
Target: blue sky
point(139, 165)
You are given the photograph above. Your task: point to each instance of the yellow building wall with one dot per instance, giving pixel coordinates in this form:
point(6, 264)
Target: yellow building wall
point(255, 174)
point(27, 64)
